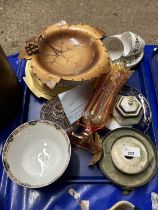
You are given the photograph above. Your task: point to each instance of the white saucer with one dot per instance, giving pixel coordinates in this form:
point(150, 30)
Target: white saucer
point(133, 60)
point(36, 154)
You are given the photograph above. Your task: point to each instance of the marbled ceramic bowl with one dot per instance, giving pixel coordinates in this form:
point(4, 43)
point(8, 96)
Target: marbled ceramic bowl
point(36, 153)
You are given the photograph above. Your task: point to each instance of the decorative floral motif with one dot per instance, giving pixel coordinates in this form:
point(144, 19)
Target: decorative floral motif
point(11, 138)
point(33, 123)
point(57, 127)
point(137, 45)
point(6, 165)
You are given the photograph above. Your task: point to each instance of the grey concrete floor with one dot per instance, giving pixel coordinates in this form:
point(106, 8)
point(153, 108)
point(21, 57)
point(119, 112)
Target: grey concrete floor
point(20, 19)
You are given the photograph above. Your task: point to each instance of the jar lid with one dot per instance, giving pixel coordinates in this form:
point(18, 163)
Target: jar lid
point(129, 157)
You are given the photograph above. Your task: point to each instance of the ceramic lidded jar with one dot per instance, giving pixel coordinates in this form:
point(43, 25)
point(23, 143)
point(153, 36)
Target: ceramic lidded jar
point(10, 90)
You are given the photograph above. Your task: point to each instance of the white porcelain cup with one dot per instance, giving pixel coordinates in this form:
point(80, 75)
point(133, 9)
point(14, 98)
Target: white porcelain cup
point(114, 46)
point(133, 43)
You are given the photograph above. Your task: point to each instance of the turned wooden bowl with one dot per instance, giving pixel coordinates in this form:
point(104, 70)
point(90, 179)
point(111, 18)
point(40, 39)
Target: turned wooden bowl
point(70, 53)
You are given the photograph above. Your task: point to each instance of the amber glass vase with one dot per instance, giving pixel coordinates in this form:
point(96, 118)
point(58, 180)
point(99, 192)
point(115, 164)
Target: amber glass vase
point(104, 95)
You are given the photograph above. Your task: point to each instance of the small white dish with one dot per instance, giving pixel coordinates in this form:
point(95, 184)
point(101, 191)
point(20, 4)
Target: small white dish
point(36, 153)
point(133, 60)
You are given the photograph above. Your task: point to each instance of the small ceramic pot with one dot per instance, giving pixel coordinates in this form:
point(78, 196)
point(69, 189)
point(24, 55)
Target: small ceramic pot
point(36, 153)
point(114, 46)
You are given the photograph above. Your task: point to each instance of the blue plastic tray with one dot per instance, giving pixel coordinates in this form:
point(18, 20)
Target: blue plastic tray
point(90, 182)
point(154, 68)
